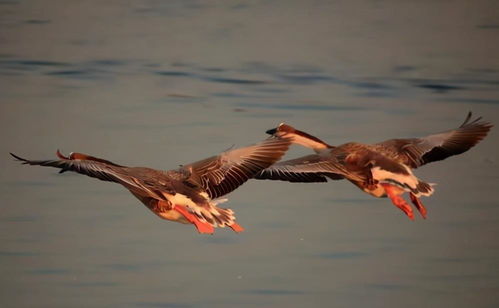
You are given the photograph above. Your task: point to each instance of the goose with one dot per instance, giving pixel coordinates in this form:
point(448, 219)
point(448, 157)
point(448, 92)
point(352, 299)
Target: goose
point(189, 194)
point(382, 169)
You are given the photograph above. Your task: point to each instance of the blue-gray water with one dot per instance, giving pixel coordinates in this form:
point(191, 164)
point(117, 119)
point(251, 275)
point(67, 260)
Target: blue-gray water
point(162, 83)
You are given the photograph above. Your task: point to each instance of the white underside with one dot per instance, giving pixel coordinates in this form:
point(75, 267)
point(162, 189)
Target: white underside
point(212, 210)
point(173, 215)
point(384, 176)
point(378, 192)
point(180, 200)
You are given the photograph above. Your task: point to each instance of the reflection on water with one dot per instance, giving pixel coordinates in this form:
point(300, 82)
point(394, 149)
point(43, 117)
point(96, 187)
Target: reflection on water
point(163, 83)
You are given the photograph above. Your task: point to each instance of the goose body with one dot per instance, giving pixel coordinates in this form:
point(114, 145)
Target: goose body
point(382, 169)
point(188, 195)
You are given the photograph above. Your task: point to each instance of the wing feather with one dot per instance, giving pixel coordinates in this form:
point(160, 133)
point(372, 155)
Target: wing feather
point(90, 166)
point(223, 173)
point(306, 169)
point(419, 151)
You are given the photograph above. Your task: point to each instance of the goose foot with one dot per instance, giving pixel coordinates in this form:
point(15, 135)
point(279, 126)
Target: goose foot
point(202, 227)
point(418, 204)
point(236, 228)
point(398, 201)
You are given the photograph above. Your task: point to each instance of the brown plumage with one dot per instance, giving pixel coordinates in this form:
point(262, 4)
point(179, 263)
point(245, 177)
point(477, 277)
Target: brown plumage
point(380, 169)
point(188, 194)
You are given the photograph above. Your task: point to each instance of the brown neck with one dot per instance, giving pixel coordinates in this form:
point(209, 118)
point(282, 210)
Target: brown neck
point(309, 141)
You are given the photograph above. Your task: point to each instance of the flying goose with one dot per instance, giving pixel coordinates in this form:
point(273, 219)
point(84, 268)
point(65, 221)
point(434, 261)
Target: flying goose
point(381, 169)
point(189, 194)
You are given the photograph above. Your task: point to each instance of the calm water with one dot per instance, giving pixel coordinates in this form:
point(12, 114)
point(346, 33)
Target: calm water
point(162, 83)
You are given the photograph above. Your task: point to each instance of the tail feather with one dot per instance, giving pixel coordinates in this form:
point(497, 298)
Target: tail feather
point(423, 189)
point(215, 216)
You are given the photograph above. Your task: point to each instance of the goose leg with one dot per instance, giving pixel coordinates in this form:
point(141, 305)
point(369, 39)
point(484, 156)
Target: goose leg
point(370, 182)
point(398, 201)
point(202, 227)
point(418, 204)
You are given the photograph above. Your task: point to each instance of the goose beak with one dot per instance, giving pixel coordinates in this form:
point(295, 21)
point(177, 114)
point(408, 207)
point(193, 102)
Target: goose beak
point(271, 131)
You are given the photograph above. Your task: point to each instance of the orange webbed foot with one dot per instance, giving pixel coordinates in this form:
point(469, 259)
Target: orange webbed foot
point(202, 227)
point(419, 205)
point(399, 202)
point(406, 208)
point(236, 228)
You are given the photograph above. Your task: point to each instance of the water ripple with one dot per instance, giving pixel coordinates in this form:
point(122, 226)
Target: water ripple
point(343, 255)
point(439, 88)
point(234, 80)
point(174, 73)
point(311, 107)
point(274, 292)
point(18, 254)
point(49, 271)
point(163, 305)
point(37, 21)
point(472, 100)
point(29, 65)
point(306, 79)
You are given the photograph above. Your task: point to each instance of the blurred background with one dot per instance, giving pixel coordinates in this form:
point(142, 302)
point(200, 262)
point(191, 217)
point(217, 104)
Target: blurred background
point(163, 83)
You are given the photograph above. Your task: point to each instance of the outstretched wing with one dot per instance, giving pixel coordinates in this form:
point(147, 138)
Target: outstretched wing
point(221, 174)
point(306, 169)
point(84, 164)
point(419, 151)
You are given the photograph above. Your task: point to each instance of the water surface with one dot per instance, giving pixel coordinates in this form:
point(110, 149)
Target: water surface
point(164, 83)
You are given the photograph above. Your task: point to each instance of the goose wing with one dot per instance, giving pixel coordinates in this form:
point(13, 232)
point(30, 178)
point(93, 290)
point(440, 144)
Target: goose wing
point(91, 166)
point(416, 152)
point(223, 173)
point(306, 169)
